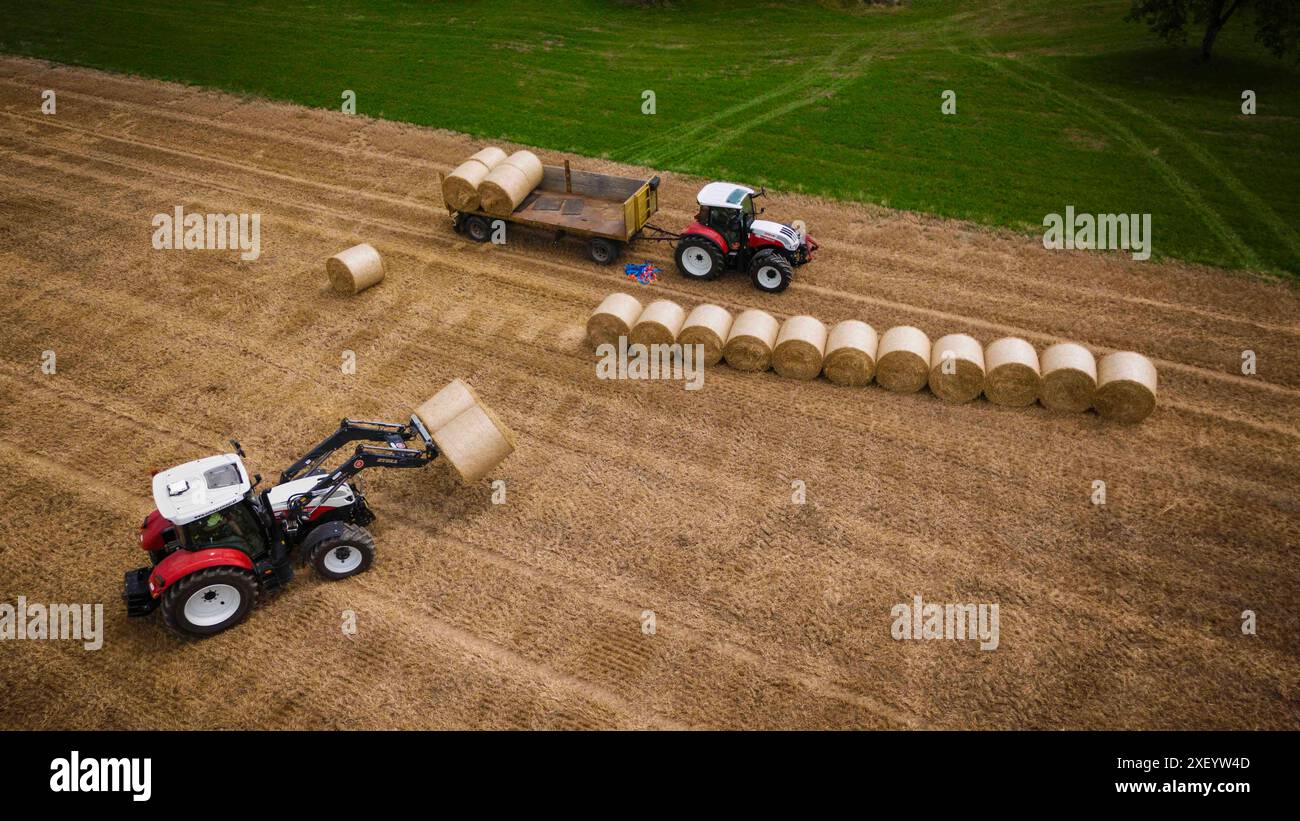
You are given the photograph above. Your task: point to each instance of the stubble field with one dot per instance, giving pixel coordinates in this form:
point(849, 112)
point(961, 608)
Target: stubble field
point(622, 497)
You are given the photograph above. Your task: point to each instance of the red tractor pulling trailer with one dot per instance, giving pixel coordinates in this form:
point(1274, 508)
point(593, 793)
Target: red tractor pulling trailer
point(728, 236)
point(610, 212)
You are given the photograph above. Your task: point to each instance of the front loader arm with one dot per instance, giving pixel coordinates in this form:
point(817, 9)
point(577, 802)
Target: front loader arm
point(395, 453)
point(353, 430)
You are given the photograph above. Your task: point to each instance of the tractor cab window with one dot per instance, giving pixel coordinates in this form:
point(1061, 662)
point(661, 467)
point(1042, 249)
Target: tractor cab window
point(725, 221)
point(222, 476)
point(233, 527)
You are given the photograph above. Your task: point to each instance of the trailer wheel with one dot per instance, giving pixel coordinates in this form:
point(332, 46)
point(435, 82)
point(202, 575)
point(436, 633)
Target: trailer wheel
point(771, 273)
point(698, 258)
point(477, 229)
point(603, 251)
point(209, 601)
point(345, 552)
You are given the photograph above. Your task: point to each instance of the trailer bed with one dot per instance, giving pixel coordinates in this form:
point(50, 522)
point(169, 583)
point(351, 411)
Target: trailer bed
point(572, 213)
point(586, 203)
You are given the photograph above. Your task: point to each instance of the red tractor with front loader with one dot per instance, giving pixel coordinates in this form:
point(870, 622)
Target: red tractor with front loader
point(216, 544)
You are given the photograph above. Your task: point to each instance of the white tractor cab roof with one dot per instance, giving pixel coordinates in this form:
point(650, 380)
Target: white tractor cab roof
point(723, 195)
point(189, 492)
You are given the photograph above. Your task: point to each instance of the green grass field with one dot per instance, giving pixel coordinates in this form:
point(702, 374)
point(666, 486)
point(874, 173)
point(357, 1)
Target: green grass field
point(1059, 102)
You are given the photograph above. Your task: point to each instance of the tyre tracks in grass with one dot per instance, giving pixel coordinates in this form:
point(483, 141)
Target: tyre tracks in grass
point(657, 147)
point(1260, 209)
point(1190, 195)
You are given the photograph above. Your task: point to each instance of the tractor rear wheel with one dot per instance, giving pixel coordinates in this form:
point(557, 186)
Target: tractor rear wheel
point(209, 601)
point(698, 258)
point(345, 552)
point(771, 273)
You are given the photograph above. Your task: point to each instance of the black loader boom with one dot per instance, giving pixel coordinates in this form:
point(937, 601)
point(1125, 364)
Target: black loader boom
point(393, 453)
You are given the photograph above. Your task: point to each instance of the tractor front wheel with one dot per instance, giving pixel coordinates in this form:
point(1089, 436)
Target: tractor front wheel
point(209, 601)
point(346, 552)
point(771, 273)
point(698, 258)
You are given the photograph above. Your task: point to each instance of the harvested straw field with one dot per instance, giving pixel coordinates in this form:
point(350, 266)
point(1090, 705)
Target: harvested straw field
point(629, 505)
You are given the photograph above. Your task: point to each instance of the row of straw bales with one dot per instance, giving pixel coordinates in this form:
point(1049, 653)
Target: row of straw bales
point(1008, 371)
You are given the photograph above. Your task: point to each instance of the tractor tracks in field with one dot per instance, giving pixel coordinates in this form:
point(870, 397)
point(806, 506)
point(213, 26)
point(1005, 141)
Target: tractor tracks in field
point(335, 148)
point(525, 261)
point(689, 146)
point(260, 357)
point(462, 635)
point(309, 205)
point(254, 353)
point(927, 451)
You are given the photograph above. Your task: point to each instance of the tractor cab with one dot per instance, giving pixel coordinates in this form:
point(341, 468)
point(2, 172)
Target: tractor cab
point(209, 503)
point(727, 209)
point(728, 235)
point(192, 491)
point(235, 526)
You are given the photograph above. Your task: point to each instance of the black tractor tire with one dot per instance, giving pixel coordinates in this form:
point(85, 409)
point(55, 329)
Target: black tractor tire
point(700, 250)
point(603, 251)
point(477, 229)
point(341, 552)
point(211, 585)
point(771, 273)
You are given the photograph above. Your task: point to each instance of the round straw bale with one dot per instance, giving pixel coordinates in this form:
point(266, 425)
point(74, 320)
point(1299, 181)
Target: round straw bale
point(904, 362)
point(957, 368)
point(1126, 387)
point(850, 353)
point(445, 405)
point(460, 187)
point(749, 345)
point(490, 156)
point(614, 317)
point(800, 348)
point(474, 442)
point(1069, 378)
point(506, 186)
point(1013, 376)
point(658, 324)
point(707, 325)
point(527, 162)
point(355, 269)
